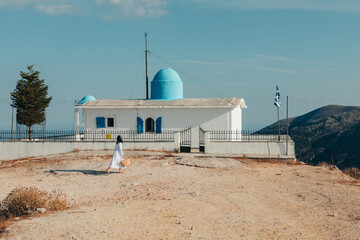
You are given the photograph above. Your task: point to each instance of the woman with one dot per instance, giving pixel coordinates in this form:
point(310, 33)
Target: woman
point(118, 156)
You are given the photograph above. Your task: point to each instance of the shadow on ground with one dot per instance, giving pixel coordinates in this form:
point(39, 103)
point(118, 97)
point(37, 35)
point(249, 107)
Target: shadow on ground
point(86, 172)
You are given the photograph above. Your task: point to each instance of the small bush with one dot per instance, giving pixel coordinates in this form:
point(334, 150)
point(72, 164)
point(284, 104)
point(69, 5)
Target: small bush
point(353, 172)
point(25, 200)
point(3, 226)
point(323, 164)
point(57, 201)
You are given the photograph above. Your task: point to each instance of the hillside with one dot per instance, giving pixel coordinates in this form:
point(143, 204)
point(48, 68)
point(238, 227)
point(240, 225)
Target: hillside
point(330, 132)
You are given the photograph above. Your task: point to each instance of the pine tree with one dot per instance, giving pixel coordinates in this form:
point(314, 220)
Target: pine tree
point(30, 99)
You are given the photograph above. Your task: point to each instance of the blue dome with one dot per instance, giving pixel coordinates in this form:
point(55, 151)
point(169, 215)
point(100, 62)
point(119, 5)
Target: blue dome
point(166, 85)
point(86, 99)
point(167, 74)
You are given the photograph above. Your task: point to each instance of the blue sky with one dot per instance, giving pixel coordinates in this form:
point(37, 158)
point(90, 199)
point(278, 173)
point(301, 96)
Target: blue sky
point(238, 48)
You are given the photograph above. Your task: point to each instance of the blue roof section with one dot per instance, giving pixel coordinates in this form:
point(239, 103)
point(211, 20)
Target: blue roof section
point(86, 99)
point(167, 74)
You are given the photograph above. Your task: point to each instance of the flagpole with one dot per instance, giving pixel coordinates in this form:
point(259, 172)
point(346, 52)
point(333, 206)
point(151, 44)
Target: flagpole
point(12, 123)
point(277, 105)
point(287, 125)
point(278, 121)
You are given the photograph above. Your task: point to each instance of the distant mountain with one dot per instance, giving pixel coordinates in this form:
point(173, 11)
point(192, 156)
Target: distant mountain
point(330, 132)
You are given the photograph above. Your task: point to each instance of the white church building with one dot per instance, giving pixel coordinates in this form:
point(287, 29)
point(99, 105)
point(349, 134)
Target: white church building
point(165, 110)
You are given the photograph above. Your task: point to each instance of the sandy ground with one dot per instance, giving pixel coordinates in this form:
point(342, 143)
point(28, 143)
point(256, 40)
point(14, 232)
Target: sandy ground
point(187, 196)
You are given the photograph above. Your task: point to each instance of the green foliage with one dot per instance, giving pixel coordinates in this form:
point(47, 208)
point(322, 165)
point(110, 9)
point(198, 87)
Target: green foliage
point(30, 98)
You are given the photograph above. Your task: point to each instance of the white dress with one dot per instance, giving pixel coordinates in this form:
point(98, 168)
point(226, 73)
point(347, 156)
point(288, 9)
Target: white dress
point(118, 156)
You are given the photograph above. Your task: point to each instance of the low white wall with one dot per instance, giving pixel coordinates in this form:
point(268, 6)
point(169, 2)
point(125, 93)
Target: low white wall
point(260, 149)
point(15, 150)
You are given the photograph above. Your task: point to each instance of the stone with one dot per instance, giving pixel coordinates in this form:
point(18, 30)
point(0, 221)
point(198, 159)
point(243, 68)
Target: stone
point(30, 212)
point(161, 163)
point(41, 210)
point(152, 157)
point(194, 194)
point(130, 184)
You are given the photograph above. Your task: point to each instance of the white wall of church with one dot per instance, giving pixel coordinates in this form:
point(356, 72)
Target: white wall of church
point(172, 119)
point(124, 118)
point(236, 121)
point(207, 118)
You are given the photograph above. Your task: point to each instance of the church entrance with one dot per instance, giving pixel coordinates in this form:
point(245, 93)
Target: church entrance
point(185, 140)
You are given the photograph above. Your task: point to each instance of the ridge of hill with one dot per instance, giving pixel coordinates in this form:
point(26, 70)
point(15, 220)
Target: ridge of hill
point(327, 134)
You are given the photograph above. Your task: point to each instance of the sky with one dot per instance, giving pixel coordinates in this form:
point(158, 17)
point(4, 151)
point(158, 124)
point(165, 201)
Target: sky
point(228, 48)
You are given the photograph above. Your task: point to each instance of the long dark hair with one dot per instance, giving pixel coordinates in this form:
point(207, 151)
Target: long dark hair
point(119, 139)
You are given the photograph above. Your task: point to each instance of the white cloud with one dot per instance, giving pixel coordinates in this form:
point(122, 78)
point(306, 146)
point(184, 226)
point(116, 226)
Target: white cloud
point(208, 63)
point(277, 58)
point(13, 2)
point(54, 9)
point(113, 9)
point(26, 2)
point(245, 66)
point(278, 70)
point(235, 84)
point(347, 5)
point(137, 8)
point(106, 9)
point(314, 70)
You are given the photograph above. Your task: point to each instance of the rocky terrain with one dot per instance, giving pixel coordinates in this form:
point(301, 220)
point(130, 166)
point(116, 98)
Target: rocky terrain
point(328, 134)
point(184, 196)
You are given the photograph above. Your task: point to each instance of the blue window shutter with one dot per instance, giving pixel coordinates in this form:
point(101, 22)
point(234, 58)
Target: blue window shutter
point(100, 122)
point(158, 125)
point(140, 125)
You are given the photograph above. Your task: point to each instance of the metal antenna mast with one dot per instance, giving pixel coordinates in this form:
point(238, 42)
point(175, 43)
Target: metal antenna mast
point(146, 64)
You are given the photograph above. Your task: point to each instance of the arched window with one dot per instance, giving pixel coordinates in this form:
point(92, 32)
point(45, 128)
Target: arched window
point(149, 125)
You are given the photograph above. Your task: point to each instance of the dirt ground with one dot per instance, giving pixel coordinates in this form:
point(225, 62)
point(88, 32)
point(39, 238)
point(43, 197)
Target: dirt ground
point(184, 196)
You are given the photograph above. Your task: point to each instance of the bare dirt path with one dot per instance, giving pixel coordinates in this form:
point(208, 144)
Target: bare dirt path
point(164, 196)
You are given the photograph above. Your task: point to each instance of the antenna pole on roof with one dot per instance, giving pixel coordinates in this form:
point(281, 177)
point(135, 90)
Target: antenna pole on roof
point(146, 67)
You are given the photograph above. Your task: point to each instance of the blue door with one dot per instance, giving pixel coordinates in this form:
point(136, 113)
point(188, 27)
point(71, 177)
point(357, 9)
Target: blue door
point(158, 125)
point(140, 125)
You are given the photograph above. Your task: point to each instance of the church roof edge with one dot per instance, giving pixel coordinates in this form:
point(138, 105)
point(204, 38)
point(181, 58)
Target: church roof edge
point(181, 103)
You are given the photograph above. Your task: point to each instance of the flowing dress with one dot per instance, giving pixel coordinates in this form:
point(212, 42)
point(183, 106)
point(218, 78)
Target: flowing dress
point(118, 156)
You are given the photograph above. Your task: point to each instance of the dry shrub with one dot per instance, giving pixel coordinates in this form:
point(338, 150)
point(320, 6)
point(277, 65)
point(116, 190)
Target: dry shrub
point(327, 165)
point(57, 201)
point(168, 154)
point(3, 226)
point(21, 200)
point(323, 164)
point(352, 172)
point(76, 150)
point(298, 162)
point(24, 200)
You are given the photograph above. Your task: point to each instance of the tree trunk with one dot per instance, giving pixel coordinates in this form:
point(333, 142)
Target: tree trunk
point(30, 132)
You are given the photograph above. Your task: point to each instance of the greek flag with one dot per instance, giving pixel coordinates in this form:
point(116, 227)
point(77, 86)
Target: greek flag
point(277, 102)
